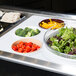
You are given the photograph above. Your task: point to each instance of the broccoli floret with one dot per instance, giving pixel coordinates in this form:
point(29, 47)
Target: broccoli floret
point(28, 29)
point(17, 32)
point(28, 34)
point(33, 33)
point(23, 33)
point(37, 31)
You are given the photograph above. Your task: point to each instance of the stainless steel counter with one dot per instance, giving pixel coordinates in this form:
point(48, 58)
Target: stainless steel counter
point(49, 66)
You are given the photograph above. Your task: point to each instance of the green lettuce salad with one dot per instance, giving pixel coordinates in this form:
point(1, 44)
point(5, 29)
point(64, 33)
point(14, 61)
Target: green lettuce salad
point(65, 41)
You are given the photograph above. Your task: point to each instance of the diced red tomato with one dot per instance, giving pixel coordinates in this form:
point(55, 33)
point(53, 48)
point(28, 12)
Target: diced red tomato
point(25, 43)
point(24, 51)
point(14, 48)
point(38, 47)
point(33, 49)
point(28, 49)
point(29, 44)
point(24, 47)
point(20, 50)
point(35, 46)
point(18, 46)
point(21, 42)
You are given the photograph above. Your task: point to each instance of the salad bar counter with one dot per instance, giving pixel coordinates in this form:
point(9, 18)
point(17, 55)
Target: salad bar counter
point(39, 39)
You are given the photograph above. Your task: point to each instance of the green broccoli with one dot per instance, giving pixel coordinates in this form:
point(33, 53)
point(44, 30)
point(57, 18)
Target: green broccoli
point(17, 32)
point(28, 29)
point(28, 34)
point(33, 33)
point(37, 31)
point(23, 33)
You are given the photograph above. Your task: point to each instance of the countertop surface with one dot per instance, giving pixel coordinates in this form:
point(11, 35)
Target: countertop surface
point(37, 63)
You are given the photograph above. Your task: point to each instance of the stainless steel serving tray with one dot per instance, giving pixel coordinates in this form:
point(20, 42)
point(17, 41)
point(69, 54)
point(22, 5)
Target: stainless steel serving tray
point(6, 26)
point(45, 65)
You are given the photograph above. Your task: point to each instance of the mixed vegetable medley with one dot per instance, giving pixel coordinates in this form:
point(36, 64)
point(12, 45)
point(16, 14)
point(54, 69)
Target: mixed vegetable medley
point(25, 47)
point(65, 41)
point(27, 32)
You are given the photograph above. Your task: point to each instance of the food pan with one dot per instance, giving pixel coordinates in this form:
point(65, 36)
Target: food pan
point(21, 17)
point(1, 13)
point(5, 26)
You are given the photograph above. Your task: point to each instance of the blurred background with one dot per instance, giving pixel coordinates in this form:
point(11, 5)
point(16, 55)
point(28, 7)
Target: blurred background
point(60, 6)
